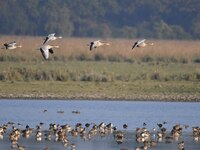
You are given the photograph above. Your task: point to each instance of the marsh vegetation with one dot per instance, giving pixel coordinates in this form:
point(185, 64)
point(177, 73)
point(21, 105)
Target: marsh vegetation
point(165, 63)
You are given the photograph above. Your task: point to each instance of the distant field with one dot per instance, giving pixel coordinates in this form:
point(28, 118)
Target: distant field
point(167, 70)
point(119, 50)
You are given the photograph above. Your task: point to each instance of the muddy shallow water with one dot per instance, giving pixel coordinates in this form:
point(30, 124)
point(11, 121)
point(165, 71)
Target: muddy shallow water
point(134, 114)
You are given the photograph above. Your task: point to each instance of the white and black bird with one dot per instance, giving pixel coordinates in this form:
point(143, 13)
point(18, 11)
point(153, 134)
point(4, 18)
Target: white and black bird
point(97, 43)
point(141, 43)
point(51, 37)
point(11, 45)
point(46, 49)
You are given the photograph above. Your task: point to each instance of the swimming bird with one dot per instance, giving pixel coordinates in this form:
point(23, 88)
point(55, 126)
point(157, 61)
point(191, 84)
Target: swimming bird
point(46, 49)
point(125, 126)
point(181, 145)
point(11, 45)
point(141, 43)
point(21, 147)
point(73, 146)
point(51, 37)
point(97, 43)
point(119, 137)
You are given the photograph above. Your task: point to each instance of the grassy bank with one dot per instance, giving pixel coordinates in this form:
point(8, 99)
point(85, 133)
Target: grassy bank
point(100, 80)
point(138, 90)
point(167, 71)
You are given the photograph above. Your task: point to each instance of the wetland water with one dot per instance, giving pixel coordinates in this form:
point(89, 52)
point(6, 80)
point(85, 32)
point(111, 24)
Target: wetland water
point(134, 114)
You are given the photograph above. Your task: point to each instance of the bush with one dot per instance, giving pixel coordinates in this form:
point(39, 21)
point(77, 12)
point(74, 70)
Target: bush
point(2, 77)
point(197, 76)
point(196, 60)
point(183, 60)
point(146, 59)
point(155, 76)
point(87, 77)
point(173, 59)
point(82, 57)
point(99, 57)
point(114, 58)
point(129, 60)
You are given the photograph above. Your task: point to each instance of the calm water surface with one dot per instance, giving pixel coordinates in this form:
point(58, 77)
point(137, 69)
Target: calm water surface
point(134, 114)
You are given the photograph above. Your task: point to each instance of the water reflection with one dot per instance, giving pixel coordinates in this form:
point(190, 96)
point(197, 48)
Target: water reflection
point(101, 124)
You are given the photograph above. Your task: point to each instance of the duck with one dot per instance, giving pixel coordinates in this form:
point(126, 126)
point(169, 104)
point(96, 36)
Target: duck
point(87, 125)
point(119, 137)
point(46, 148)
point(125, 126)
point(11, 45)
point(51, 37)
point(39, 136)
point(141, 43)
point(21, 147)
point(73, 146)
point(181, 145)
point(46, 49)
point(97, 43)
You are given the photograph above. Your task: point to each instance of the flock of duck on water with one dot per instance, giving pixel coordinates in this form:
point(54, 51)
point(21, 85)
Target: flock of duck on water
point(46, 48)
point(63, 134)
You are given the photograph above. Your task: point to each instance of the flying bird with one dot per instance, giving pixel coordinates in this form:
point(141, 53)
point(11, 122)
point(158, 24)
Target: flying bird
point(141, 43)
point(46, 49)
point(11, 45)
point(97, 43)
point(51, 37)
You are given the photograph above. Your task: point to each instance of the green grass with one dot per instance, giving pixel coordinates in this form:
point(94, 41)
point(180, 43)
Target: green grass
point(99, 80)
point(167, 70)
point(138, 90)
point(97, 71)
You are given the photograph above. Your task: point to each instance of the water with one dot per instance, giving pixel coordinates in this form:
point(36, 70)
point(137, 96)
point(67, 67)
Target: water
point(134, 114)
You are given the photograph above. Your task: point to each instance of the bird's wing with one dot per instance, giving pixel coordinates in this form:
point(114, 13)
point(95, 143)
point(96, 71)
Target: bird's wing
point(5, 44)
point(46, 40)
point(45, 52)
point(11, 44)
point(51, 50)
point(51, 35)
point(140, 42)
point(135, 44)
point(91, 45)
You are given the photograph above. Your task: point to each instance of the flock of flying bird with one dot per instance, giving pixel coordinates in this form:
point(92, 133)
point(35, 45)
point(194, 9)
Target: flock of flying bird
point(45, 49)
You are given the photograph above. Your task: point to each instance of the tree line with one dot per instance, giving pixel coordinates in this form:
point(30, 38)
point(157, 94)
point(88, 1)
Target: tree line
point(159, 19)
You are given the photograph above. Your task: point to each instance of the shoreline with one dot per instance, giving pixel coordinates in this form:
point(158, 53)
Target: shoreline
point(144, 98)
point(109, 91)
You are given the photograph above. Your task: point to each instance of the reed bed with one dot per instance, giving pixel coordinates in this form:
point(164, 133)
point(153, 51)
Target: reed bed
point(166, 51)
point(164, 61)
point(168, 70)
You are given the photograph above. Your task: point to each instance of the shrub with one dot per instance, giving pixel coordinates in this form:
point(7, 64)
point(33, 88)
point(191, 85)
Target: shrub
point(114, 58)
point(197, 76)
point(155, 76)
point(183, 60)
point(99, 57)
point(173, 59)
point(2, 77)
point(146, 59)
point(82, 57)
point(129, 60)
point(87, 77)
point(196, 60)
point(185, 77)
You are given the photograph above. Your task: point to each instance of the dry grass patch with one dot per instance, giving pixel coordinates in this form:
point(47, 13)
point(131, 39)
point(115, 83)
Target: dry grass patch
point(119, 50)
